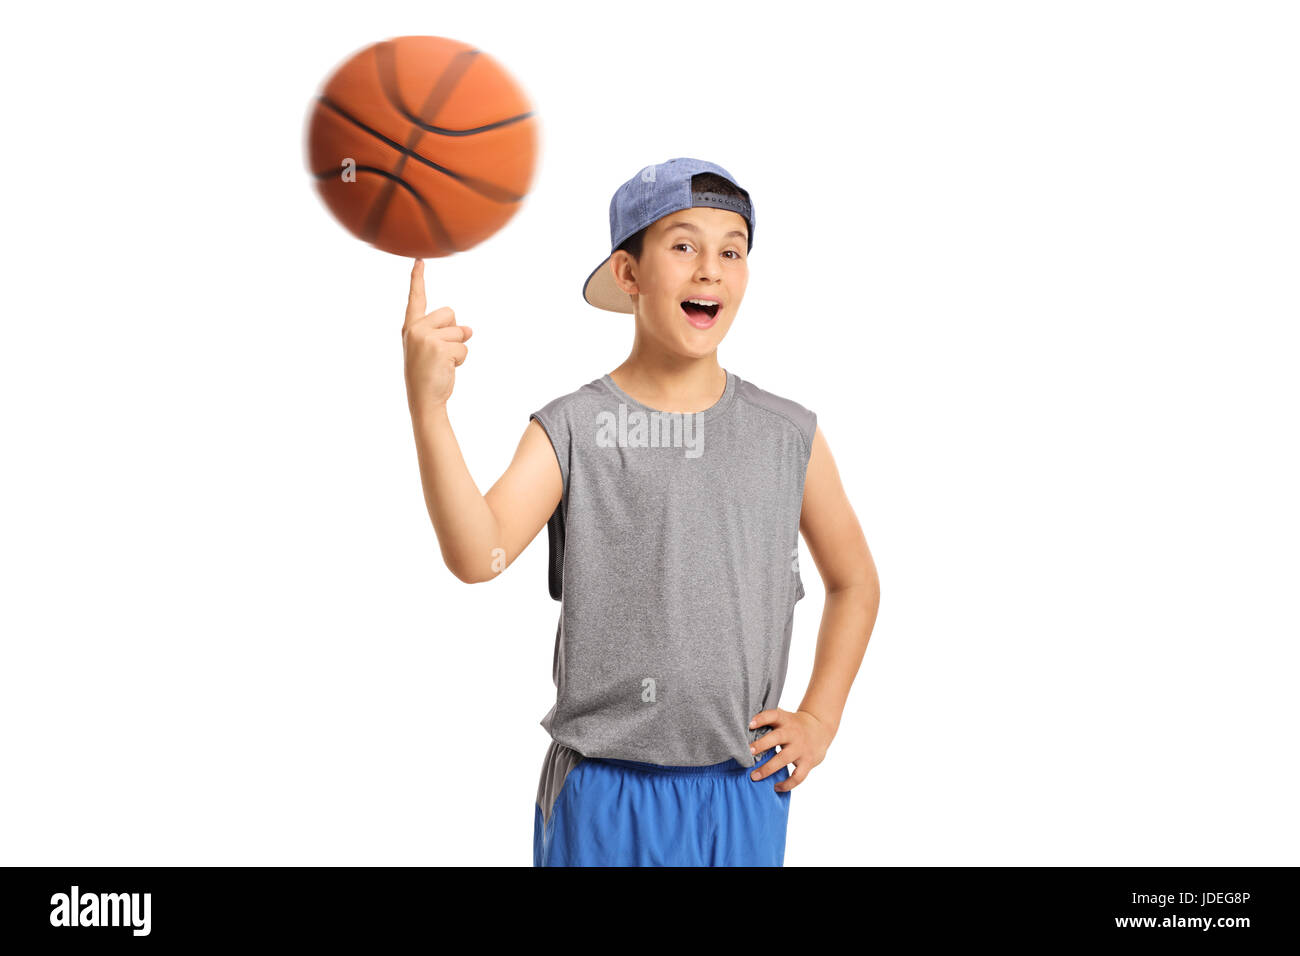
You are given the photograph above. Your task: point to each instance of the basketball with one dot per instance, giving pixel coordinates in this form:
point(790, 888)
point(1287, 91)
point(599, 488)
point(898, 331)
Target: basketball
point(422, 146)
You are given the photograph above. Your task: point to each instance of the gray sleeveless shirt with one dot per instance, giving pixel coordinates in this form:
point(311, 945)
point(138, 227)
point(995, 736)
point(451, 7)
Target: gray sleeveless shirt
point(673, 553)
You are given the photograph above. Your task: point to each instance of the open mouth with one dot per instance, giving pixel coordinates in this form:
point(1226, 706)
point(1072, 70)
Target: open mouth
point(699, 310)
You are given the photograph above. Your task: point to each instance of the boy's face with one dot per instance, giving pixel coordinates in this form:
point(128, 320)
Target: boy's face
point(696, 253)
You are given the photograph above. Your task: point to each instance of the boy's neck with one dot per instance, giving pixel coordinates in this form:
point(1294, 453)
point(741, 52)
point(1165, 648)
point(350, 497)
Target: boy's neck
point(691, 386)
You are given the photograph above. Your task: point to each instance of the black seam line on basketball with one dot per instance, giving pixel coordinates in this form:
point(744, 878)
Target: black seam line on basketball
point(443, 131)
point(436, 228)
point(379, 209)
point(443, 87)
point(485, 189)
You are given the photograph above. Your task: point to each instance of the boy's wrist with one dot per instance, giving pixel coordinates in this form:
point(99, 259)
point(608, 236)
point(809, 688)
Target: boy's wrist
point(425, 412)
point(831, 723)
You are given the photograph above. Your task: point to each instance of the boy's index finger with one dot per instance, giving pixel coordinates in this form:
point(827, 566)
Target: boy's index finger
point(415, 304)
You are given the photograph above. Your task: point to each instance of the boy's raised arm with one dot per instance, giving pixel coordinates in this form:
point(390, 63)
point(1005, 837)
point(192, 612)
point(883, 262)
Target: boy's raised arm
point(479, 535)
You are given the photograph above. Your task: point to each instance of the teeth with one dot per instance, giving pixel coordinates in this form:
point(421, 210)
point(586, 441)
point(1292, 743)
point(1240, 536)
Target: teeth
point(701, 302)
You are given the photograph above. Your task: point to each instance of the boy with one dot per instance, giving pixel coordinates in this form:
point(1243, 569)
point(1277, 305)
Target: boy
point(673, 538)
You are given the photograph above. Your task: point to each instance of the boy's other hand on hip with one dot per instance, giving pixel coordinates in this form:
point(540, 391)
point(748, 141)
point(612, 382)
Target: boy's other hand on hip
point(803, 739)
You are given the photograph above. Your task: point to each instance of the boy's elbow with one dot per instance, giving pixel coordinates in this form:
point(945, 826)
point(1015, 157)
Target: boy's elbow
point(476, 572)
point(873, 588)
point(465, 573)
point(458, 566)
point(464, 576)
point(864, 588)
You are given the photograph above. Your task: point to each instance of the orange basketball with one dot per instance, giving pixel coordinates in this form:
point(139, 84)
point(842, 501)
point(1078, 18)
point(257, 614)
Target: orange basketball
point(422, 146)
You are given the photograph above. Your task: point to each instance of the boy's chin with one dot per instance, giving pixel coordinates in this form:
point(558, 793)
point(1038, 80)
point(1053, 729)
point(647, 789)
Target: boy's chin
point(696, 347)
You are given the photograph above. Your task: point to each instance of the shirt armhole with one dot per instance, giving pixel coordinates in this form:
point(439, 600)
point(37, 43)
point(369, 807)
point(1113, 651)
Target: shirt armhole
point(555, 524)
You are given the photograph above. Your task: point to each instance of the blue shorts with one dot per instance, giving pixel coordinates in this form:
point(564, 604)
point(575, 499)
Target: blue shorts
point(609, 812)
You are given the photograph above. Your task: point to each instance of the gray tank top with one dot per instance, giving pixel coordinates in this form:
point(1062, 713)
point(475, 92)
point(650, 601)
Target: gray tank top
point(673, 553)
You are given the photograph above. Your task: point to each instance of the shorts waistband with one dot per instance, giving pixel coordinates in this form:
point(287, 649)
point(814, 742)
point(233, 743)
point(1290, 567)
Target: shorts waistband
point(728, 766)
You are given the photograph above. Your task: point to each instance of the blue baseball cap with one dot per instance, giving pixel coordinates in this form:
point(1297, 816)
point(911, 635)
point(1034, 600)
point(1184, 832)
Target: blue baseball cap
point(650, 195)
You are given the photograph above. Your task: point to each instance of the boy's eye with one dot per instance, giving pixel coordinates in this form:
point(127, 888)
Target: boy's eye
point(732, 252)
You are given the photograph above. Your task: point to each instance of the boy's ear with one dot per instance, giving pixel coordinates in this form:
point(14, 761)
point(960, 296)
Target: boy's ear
point(623, 266)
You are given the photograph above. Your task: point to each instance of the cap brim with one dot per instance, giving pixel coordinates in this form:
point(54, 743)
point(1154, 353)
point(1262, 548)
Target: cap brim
point(603, 292)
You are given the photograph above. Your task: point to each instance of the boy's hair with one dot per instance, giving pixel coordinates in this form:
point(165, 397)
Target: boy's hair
point(700, 182)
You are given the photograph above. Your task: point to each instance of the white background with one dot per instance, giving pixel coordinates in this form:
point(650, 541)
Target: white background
point(1034, 265)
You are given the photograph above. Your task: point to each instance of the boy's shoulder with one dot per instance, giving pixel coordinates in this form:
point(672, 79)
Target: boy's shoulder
point(562, 405)
point(801, 417)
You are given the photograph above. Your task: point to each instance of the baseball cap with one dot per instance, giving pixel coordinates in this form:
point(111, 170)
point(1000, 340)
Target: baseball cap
point(651, 194)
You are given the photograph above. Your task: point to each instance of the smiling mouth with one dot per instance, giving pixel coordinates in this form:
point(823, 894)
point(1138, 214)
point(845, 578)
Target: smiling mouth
point(697, 311)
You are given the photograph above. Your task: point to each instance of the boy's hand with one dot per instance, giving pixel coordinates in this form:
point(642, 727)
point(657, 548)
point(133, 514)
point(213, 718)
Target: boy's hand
point(803, 738)
point(433, 345)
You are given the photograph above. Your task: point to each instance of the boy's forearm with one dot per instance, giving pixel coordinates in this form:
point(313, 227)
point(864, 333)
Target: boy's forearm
point(847, 621)
point(462, 519)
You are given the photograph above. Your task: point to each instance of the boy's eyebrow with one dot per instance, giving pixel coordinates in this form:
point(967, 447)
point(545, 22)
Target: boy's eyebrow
point(682, 224)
